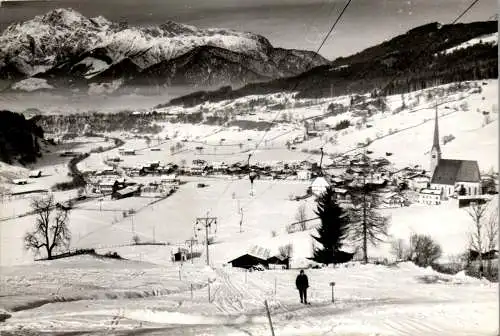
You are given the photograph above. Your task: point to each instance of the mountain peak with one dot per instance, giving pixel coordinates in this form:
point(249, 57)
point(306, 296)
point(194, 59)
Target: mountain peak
point(64, 39)
point(62, 16)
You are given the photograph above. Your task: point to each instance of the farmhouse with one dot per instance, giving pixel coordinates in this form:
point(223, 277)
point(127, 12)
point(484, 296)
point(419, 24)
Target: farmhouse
point(171, 180)
point(256, 255)
point(304, 175)
point(20, 181)
point(449, 175)
point(35, 174)
point(127, 192)
point(278, 262)
point(395, 199)
point(107, 186)
point(126, 151)
point(180, 255)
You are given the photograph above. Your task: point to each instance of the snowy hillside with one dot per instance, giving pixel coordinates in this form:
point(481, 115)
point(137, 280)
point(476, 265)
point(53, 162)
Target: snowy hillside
point(99, 296)
point(486, 39)
point(468, 111)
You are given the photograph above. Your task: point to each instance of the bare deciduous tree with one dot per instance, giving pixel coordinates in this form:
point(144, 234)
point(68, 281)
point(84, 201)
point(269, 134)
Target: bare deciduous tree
point(477, 239)
point(51, 229)
point(400, 249)
point(483, 237)
point(367, 224)
point(300, 216)
point(491, 232)
point(286, 252)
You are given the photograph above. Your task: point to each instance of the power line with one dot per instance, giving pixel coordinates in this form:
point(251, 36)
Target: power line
point(279, 112)
point(465, 11)
point(310, 62)
point(425, 48)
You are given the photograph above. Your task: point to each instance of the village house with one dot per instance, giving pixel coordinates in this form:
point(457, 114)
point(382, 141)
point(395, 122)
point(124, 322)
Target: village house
point(418, 181)
point(342, 195)
point(129, 191)
point(35, 174)
point(107, 186)
point(430, 196)
point(126, 151)
point(170, 180)
point(180, 255)
point(395, 199)
point(303, 175)
point(20, 181)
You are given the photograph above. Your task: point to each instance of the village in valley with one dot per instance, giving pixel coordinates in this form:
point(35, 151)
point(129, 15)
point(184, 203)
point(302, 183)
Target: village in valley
point(195, 217)
point(134, 185)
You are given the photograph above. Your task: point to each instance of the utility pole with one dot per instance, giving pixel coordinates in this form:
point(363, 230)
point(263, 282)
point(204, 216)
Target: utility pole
point(321, 160)
point(364, 190)
point(133, 227)
point(207, 222)
point(241, 220)
point(191, 242)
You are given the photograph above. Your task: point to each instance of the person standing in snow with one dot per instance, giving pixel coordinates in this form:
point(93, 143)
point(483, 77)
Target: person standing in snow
point(302, 284)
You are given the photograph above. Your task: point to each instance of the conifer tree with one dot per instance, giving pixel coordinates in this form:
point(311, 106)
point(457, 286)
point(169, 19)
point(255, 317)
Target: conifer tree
point(333, 230)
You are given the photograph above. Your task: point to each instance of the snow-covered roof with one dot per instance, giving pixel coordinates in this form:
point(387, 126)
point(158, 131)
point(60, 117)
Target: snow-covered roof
point(320, 182)
point(259, 252)
point(431, 191)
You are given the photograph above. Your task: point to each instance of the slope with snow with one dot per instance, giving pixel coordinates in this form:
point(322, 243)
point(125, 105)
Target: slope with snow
point(486, 39)
point(133, 297)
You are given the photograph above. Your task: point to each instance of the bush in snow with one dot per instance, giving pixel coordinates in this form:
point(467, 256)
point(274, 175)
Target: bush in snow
point(424, 251)
point(343, 124)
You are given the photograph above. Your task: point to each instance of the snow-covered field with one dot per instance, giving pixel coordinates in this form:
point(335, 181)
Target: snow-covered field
point(150, 293)
point(117, 297)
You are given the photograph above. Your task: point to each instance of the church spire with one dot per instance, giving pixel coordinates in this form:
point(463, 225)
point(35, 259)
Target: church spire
point(436, 149)
point(435, 143)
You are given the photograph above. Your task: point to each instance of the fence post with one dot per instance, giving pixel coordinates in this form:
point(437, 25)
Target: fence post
point(208, 290)
point(269, 318)
point(275, 285)
point(332, 284)
point(191, 291)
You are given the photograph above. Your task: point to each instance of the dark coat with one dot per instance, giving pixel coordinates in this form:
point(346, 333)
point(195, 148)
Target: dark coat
point(302, 282)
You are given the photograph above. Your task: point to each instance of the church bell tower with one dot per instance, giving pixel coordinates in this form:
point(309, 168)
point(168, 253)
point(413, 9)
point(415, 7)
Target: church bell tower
point(435, 150)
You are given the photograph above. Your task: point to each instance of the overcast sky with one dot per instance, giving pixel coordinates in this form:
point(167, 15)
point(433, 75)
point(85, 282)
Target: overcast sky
point(286, 23)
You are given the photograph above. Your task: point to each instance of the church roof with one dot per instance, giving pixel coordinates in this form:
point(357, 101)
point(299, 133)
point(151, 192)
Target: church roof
point(452, 171)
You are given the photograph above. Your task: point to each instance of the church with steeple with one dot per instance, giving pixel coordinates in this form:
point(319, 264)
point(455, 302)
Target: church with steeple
point(452, 177)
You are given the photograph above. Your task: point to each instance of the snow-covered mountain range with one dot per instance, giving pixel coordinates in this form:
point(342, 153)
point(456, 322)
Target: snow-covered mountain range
point(67, 49)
